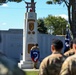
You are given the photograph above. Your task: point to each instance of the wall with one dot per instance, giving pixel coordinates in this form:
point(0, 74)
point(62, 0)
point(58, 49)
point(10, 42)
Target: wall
point(12, 43)
point(44, 41)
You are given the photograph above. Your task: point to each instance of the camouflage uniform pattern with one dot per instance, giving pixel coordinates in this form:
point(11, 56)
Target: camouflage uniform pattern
point(69, 53)
point(9, 67)
point(69, 66)
point(51, 65)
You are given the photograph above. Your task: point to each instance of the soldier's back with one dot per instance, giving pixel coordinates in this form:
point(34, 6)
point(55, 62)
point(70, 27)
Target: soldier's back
point(69, 66)
point(51, 65)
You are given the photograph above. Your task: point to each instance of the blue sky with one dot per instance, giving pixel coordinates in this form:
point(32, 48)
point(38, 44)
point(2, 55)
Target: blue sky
point(12, 14)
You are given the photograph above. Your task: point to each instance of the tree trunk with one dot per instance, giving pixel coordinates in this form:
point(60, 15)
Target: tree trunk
point(70, 16)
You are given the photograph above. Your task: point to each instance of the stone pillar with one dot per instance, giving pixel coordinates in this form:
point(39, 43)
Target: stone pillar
point(29, 39)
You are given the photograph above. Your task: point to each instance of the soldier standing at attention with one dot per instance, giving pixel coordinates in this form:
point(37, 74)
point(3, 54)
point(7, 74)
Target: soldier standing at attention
point(69, 65)
point(51, 65)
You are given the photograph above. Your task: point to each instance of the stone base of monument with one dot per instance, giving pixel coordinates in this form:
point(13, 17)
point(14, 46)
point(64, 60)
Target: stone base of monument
point(25, 64)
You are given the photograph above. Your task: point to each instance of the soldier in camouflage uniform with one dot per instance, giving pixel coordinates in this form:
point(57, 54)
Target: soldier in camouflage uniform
point(9, 67)
point(71, 51)
point(51, 65)
point(69, 65)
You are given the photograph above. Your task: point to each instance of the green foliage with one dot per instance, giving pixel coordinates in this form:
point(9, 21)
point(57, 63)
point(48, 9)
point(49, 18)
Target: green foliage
point(49, 2)
point(31, 72)
point(2, 1)
point(58, 24)
point(5, 1)
point(15, 1)
point(55, 1)
point(41, 26)
point(69, 4)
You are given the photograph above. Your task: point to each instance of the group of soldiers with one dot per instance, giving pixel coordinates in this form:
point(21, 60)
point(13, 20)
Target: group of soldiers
point(59, 63)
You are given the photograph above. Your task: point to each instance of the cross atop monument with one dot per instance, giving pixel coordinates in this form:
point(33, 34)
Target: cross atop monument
point(31, 5)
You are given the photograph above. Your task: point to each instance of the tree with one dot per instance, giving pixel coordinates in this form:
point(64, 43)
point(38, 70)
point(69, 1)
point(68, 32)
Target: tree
point(68, 3)
point(5, 1)
point(14, 0)
point(57, 25)
point(41, 26)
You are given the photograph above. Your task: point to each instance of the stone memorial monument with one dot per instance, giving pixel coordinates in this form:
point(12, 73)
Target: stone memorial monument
point(29, 35)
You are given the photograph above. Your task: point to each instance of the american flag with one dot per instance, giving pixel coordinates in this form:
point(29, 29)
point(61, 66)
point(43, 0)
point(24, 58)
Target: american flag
point(67, 40)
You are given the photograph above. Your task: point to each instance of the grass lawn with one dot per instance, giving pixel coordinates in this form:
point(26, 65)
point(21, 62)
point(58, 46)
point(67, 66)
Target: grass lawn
point(31, 72)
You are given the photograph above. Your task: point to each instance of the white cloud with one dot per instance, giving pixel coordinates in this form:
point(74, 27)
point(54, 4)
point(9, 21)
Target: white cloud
point(3, 23)
point(4, 5)
point(63, 16)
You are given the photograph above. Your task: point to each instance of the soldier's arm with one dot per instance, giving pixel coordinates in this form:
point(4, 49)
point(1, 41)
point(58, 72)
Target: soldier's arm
point(65, 69)
point(42, 68)
point(66, 54)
